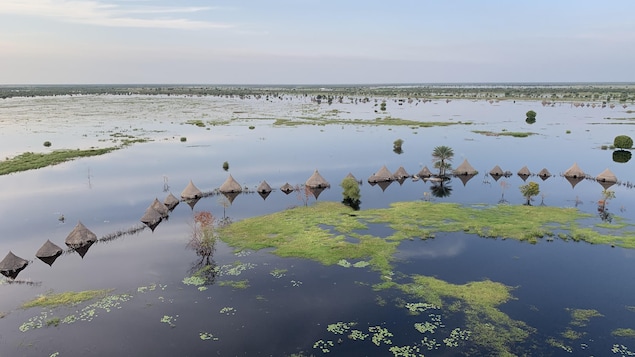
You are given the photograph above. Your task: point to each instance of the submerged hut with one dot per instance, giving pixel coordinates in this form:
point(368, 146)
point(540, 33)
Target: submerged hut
point(524, 171)
point(465, 169)
point(286, 188)
point(49, 252)
point(400, 174)
point(425, 172)
point(230, 186)
point(496, 171)
point(171, 201)
point(151, 218)
point(191, 192)
point(574, 172)
point(316, 181)
point(544, 174)
point(80, 236)
point(160, 207)
point(264, 187)
point(606, 178)
point(12, 265)
point(383, 175)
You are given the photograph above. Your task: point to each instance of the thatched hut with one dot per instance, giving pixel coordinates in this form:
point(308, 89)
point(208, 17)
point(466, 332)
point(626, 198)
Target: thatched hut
point(171, 201)
point(151, 218)
point(425, 172)
point(316, 181)
point(350, 175)
point(160, 207)
point(12, 265)
point(383, 175)
point(606, 178)
point(496, 171)
point(544, 174)
point(80, 236)
point(286, 188)
point(49, 252)
point(400, 174)
point(524, 171)
point(574, 172)
point(263, 187)
point(230, 186)
point(465, 169)
point(191, 192)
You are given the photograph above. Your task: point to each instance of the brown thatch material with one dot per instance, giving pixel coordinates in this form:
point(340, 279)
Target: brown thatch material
point(544, 173)
point(48, 249)
point(425, 172)
point(171, 201)
point(524, 171)
point(151, 216)
point(350, 175)
point(382, 175)
point(80, 236)
point(465, 169)
point(191, 192)
point(11, 265)
point(574, 180)
point(465, 178)
point(160, 207)
point(264, 187)
point(315, 191)
point(496, 171)
point(286, 188)
point(574, 171)
point(316, 181)
point(264, 195)
point(384, 185)
point(606, 176)
point(400, 174)
point(230, 186)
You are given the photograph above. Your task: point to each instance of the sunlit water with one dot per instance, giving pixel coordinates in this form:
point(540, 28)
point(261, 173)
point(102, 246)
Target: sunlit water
point(288, 313)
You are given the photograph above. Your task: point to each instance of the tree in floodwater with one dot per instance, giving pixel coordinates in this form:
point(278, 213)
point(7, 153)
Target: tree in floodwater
point(442, 158)
point(530, 190)
point(351, 193)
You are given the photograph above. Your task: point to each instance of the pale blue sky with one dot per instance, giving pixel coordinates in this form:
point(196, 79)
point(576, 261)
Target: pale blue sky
point(315, 42)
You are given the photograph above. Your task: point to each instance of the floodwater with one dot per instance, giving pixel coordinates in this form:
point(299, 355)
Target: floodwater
point(290, 302)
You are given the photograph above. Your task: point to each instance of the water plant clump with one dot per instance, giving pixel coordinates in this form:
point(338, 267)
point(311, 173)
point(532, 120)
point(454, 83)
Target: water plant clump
point(340, 328)
point(32, 161)
point(65, 298)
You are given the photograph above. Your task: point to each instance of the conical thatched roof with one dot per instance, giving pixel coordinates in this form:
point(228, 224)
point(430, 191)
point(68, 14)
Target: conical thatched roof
point(544, 174)
point(425, 172)
point(80, 236)
point(401, 173)
point(286, 188)
point(350, 175)
point(465, 169)
point(151, 216)
point(524, 171)
point(160, 207)
point(230, 185)
point(48, 249)
point(607, 176)
point(316, 181)
point(11, 265)
point(171, 201)
point(496, 171)
point(191, 191)
point(264, 187)
point(382, 175)
point(574, 171)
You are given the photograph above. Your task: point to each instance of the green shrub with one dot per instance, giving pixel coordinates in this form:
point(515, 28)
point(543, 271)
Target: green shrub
point(225, 165)
point(183, 139)
point(47, 143)
point(621, 156)
point(252, 127)
point(623, 142)
point(531, 115)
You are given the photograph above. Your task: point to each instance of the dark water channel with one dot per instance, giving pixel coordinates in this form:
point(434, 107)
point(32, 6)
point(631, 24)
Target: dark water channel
point(289, 303)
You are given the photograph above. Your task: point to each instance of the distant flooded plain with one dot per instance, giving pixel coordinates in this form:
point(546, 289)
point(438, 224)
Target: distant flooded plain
point(566, 296)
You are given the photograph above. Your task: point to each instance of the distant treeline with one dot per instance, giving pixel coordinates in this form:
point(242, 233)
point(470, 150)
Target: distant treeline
point(599, 92)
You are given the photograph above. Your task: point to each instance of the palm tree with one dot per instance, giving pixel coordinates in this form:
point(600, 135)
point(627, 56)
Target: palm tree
point(442, 158)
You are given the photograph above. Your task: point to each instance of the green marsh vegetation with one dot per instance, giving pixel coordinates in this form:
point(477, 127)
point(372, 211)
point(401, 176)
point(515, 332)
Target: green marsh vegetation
point(515, 134)
point(65, 298)
point(32, 161)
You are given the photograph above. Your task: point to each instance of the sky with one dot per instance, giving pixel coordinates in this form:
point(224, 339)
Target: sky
point(315, 41)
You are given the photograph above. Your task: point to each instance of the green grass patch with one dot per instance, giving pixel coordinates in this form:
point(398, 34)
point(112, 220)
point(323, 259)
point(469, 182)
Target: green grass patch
point(386, 121)
point(32, 161)
point(581, 317)
point(65, 298)
point(623, 332)
point(516, 134)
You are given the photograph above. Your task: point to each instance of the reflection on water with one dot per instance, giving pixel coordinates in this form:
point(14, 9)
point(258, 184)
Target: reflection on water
point(109, 194)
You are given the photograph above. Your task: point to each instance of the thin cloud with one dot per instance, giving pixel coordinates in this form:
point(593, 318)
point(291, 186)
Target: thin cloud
point(111, 15)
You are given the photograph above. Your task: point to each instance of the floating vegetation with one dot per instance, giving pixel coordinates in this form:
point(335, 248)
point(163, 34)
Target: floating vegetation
point(236, 284)
point(151, 287)
point(380, 335)
point(194, 280)
point(228, 311)
point(206, 336)
point(457, 335)
point(416, 308)
point(340, 328)
point(346, 264)
point(622, 350)
point(357, 335)
point(32, 161)
point(167, 319)
point(580, 317)
point(234, 269)
point(559, 344)
point(88, 313)
point(324, 346)
point(278, 273)
point(623, 332)
point(296, 283)
point(66, 298)
point(504, 133)
point(572, 334)
point(405, 351)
